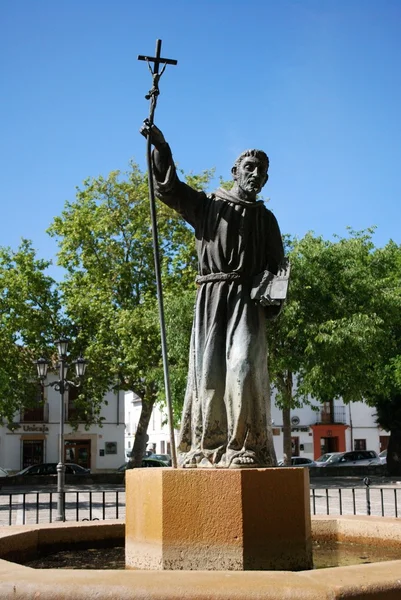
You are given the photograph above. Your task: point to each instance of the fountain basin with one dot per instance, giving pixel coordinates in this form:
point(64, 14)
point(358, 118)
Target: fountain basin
point(373, 581)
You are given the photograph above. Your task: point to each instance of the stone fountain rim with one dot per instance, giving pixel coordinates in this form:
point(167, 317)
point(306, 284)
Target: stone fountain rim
point(376, 580)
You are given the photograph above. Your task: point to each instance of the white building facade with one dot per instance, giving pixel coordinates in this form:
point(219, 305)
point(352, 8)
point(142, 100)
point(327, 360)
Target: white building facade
point(330, 427)
point(315, 428)
point(34, 435)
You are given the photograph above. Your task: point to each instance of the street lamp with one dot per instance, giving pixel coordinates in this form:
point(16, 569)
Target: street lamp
point(62, 385)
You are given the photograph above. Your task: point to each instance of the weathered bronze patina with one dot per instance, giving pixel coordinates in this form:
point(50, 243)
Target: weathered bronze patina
point(226, 418)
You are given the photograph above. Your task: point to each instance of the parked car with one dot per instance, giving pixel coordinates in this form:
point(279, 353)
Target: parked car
point(129, 451)
point(322, 460)
point(299, 461)
point(51, 469)
point(383, 457)
point(360, 458)
point(166, 458)
point(146, 462)
point(124, 467)
point(3, 472)
point(153, 462)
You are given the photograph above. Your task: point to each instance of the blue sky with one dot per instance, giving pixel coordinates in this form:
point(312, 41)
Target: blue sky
point(315, 83)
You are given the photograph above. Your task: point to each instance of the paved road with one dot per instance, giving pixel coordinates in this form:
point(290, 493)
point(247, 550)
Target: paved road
point(338, 495)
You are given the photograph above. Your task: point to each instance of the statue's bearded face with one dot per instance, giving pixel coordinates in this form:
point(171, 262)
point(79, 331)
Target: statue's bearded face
point(251, 175)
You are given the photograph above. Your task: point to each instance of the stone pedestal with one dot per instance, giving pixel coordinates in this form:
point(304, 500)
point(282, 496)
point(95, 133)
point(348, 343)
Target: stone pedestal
point(228, 519)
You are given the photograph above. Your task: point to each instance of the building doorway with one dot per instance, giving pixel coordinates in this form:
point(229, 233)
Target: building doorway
point(79, 452)
point(328, 444)
point(32, 452)
point(294, 446)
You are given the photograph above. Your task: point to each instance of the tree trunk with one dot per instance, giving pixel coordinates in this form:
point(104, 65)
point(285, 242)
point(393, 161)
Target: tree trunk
point(285, 386)
point(394, 453)
point(141, 435)
point(287, 446)
point(332, 415)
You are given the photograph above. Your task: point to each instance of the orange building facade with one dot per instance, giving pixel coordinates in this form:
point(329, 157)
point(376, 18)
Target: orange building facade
point(328, 437)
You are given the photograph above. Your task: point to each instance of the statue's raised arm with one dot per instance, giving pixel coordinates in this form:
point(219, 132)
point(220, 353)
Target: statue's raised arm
point(162, 150)
point(168, 187)
point(156, 136)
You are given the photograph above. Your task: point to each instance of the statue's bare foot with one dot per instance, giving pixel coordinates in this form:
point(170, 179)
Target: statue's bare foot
point(244, 461)
point(191, 461)
point(189, 464)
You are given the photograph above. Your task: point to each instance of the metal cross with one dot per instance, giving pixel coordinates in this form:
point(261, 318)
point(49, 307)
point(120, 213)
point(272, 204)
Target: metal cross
point(157, 60)
point(152, 96)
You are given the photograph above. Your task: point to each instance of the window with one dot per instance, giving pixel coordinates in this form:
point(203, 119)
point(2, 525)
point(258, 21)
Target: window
point(48, 469)
point(359, 444)
point(348, 457)
point(35, 414)
point(36, 470)
point(299, 460)
point(80, 412)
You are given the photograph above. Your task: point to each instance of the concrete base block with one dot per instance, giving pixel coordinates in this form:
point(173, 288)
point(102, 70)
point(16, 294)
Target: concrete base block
point(220, 519)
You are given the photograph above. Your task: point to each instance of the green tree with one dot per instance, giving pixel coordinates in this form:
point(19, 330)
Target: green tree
point(105, 246)
point(384, 375)
point(31, 316)
point(334, 333)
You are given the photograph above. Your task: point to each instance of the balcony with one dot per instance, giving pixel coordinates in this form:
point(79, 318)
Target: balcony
point(38, 414)
point(331, 415)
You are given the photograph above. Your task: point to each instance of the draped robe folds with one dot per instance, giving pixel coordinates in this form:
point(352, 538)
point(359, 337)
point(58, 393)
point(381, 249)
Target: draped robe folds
point(226, 411)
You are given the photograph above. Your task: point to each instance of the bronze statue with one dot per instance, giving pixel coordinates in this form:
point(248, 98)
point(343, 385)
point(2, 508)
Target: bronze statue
point(226, 419)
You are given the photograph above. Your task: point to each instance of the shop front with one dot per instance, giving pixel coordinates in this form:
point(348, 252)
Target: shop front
point(78, 452)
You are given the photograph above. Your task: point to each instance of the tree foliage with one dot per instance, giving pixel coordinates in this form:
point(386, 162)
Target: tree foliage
point(109, 291)
point(31, 315)
point(340, 330)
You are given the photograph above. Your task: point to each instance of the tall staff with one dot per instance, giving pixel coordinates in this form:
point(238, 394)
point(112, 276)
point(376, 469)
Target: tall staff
point(152, 96)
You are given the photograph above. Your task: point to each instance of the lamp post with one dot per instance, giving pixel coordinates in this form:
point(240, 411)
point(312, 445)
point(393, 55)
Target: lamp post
point(62, 385)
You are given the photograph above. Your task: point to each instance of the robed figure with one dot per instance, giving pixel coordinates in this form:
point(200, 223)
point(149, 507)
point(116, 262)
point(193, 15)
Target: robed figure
point(226, 419)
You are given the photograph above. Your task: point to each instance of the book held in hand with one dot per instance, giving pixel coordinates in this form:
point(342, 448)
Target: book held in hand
point(270, 289)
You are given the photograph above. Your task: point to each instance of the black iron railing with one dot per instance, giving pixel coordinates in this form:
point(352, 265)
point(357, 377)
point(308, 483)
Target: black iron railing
point(335, 414)
point(21, 508)
point(363, 500)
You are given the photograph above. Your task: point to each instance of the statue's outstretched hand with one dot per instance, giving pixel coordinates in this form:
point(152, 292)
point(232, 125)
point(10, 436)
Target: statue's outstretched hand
point(156, 136)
